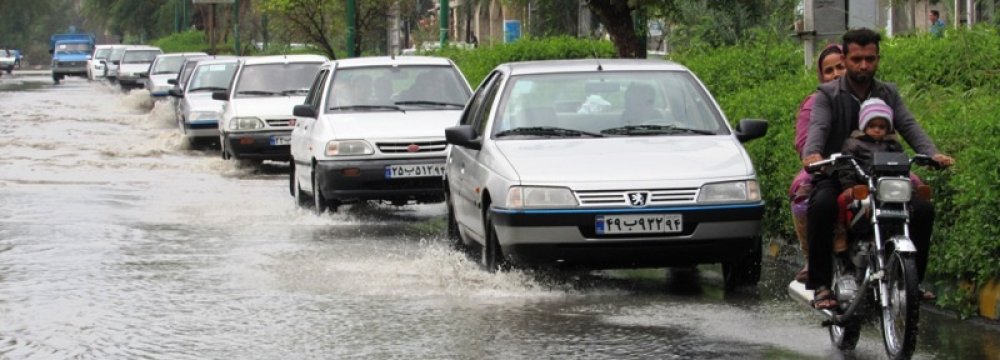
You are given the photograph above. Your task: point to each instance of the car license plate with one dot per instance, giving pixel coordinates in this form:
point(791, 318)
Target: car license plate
point(411, 171)
point(639, 224)
point(277, 140)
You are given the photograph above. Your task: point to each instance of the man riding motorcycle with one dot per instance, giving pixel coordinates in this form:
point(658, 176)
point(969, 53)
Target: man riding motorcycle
point(834, 116)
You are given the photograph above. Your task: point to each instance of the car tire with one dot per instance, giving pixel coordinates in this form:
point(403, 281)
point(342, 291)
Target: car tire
point(56, 78)
point(744, 271)
point(492, 257)
point(225, 149)
point(320, 202)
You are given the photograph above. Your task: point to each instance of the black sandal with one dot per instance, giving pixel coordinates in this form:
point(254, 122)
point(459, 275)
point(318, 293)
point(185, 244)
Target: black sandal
point(823, 299)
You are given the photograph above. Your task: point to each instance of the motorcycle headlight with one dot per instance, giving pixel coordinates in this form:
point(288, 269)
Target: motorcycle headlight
point(245, 123)
point(348, 148)
point(521, 197)
point(730, 191)
point(894, 190)
point(203, 115)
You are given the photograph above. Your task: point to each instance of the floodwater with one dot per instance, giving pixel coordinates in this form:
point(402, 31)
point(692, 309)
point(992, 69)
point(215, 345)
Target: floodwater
point(117, 240)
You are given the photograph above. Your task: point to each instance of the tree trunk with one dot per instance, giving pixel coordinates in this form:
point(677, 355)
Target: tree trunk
point(616, 15)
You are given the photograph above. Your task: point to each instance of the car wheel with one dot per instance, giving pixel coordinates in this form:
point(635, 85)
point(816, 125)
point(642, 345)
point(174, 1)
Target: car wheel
point(291, 177)
point(319, 200)
point(225, 149)
point(746, 270)
point(452, 232)
point(55, 79)
point(301, 198)
point(492, 257)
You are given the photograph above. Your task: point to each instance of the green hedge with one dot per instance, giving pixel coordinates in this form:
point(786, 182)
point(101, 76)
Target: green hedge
point(188, 41)
point(949, 84)
point(478, 62)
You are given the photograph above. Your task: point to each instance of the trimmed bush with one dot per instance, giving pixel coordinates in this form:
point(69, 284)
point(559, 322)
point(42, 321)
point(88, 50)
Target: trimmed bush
point(188, 41)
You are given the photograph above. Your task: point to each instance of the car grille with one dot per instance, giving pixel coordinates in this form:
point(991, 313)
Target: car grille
point(72, 63)
point(279, 122)
point(405, 147)
point(657, 197)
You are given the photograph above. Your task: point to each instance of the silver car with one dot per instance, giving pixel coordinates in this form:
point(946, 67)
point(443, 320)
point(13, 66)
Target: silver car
point(603, 164)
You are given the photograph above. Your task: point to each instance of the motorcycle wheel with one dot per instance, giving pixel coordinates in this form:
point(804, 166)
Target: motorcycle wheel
point(846, 337)
point(900, 318)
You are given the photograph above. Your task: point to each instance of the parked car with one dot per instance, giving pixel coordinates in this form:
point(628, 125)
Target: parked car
point(134, 65)
point(373, 129)
point(198, 115)
point(95, 65)
point(603, 164)
point(257, 121)
point(164, 68)
point(7, 60)
point(113, 61)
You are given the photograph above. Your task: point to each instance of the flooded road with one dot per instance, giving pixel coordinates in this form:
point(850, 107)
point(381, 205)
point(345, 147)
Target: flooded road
point(119, 241)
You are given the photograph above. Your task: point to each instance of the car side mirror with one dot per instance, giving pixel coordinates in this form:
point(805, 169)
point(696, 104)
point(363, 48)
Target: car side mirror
point(305, 111)
point(176, 93)
point(172, 81)
point(220, 95)
point(464, 136)
point(749, 129)
point(116, 62)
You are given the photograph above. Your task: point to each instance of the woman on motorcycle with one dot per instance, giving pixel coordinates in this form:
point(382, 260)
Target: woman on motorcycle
point(830, 67)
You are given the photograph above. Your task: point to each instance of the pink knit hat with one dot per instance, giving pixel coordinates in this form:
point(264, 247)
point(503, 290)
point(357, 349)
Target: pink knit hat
point(874, 108)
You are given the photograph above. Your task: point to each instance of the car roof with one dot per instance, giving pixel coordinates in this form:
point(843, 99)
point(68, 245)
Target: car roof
point(588, 65)
point(188, 54)
point(389, 61)
point(217, 61)
point(281, 59)
point(142, 48)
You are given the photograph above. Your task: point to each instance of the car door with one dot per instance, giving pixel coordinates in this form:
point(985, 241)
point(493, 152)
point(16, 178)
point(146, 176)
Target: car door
point(466, 168)
point(302, 132)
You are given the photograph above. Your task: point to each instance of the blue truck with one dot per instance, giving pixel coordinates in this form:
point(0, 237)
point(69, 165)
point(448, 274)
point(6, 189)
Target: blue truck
point(70, 53)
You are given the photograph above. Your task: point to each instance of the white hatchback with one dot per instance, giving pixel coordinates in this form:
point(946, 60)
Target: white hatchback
point(373, 129)
point(257, 117)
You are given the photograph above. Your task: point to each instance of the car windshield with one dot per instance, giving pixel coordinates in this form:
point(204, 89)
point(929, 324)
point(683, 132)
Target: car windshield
point(646, 103)
point(116, 54)
point(394, 88)
point(140, 56)
point(102, 53)
point(73, 48)
point(167, 65)
point(212, 77)
point(291, 79)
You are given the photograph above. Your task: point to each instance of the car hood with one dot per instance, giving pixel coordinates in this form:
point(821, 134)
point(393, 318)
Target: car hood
point(391, 124)
point(202, 101)
point(161, 79)
point(266, 106)
point(626, 158)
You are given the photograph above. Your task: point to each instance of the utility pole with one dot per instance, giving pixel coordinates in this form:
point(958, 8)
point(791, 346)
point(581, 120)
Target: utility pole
point(444, 23)
point(352, 27)
point(184, 15)
point(236, 25)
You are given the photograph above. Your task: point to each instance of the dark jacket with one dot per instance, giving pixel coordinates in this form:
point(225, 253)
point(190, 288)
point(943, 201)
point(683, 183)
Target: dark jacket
point(863, 148)
point(835, 116)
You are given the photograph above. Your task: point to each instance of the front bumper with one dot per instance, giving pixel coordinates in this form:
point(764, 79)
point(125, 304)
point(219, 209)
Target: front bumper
point(568, 238)
point(130, 81)
point(70, 70)
point(260, 145)
point(202, 128)
point(371, 182)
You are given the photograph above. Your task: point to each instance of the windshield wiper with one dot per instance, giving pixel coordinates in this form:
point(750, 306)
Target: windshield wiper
point(545, 131)
point(425, 102)
point(654, 130)
point(294, 91)
point(256, 92)
point(208, 88)
point(369, 107)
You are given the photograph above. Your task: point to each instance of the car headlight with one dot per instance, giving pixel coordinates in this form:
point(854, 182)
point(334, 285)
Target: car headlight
point(348, 148)
point(204, 115)
point(743, 190)
point(894, 190)
point(521, 197)
point(245, 123)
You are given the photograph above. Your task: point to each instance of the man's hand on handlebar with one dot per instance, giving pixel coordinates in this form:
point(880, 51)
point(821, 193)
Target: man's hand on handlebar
point(944, 160)
point(811, 158)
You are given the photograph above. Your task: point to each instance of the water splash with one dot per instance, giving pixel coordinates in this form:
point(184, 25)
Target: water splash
point(138, 100)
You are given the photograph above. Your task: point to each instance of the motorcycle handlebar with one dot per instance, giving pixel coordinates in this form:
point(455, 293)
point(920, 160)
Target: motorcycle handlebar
point(832, 160)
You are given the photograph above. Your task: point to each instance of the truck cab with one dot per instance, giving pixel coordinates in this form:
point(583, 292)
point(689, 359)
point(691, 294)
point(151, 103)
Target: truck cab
point(70, 53)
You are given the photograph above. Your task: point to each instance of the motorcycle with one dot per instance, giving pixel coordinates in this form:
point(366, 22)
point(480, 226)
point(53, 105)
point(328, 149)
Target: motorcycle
point(878, 275)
